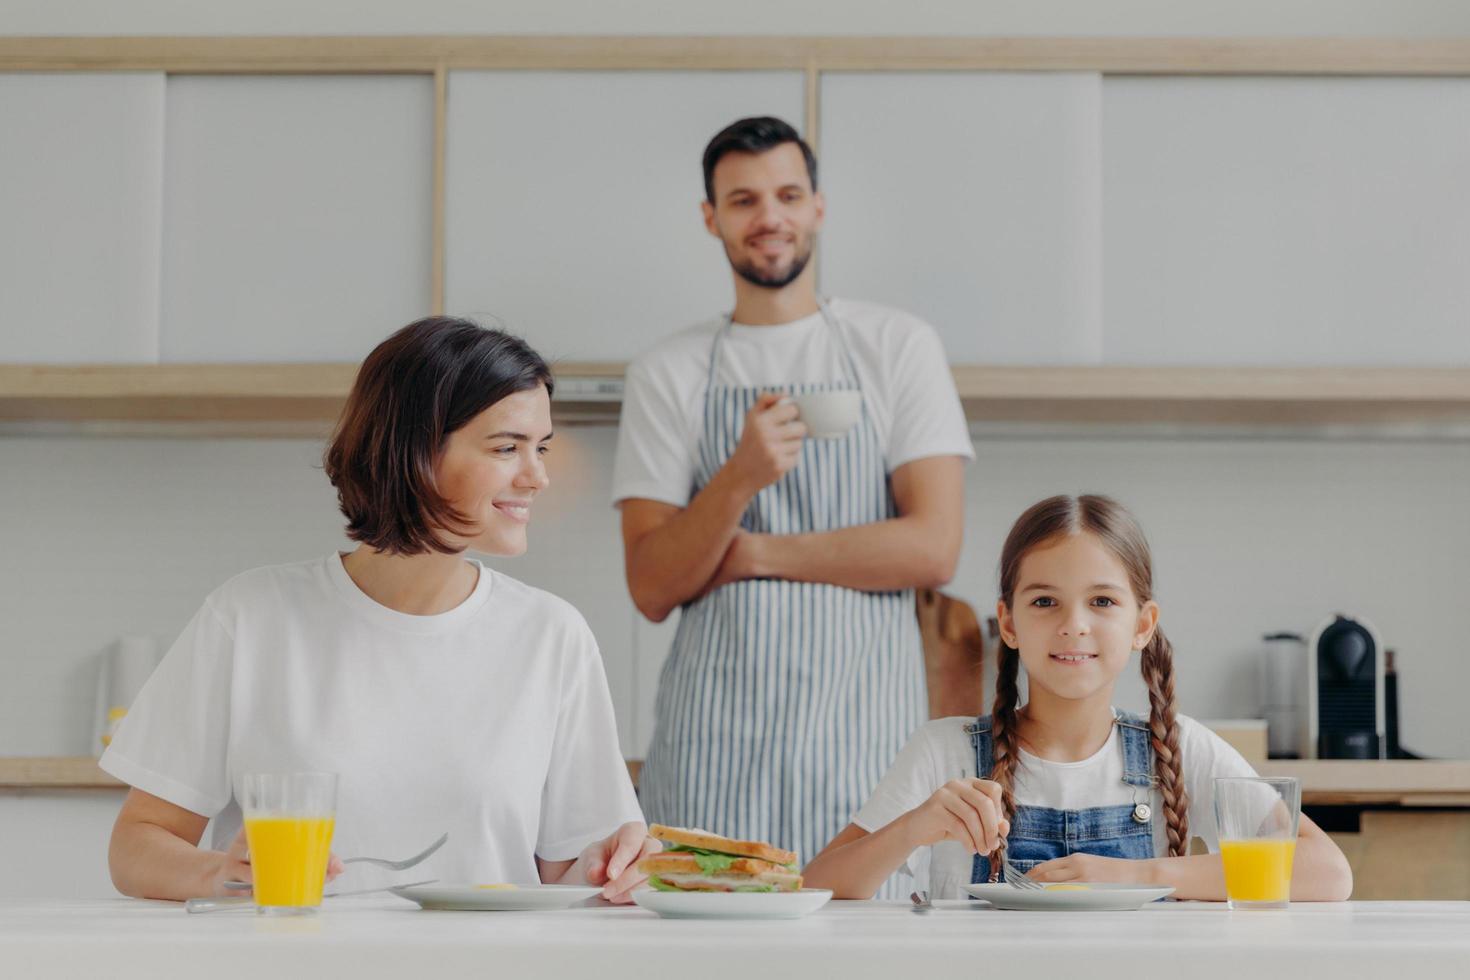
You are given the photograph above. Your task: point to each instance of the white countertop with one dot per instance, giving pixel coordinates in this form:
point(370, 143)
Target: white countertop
point(384, 937)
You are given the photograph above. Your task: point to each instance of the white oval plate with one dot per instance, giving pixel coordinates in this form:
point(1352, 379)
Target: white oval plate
point(472, 898)
point(1099, 896)
point(732, 905)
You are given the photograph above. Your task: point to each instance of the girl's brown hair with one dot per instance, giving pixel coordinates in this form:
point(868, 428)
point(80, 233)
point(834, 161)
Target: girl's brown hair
point(1111, 524)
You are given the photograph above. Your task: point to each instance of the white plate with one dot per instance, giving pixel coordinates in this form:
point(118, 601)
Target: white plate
point(732, 905)
point(472, 898)
point(1098, 897)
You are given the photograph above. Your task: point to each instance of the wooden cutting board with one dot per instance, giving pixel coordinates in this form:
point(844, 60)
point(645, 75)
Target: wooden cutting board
point(954, 655)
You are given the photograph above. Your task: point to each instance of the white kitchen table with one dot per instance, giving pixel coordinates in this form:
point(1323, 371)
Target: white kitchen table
point(365, 938)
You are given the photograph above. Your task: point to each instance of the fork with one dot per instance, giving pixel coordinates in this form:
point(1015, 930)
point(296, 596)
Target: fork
point(1016, 879)
point(196, 905)
point(380, 862)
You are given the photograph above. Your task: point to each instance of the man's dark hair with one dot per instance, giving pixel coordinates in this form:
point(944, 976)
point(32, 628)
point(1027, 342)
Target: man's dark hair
point(754, 135)
point(415, 389)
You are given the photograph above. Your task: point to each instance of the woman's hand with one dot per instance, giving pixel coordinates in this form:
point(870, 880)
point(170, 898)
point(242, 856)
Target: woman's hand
point(613, 862)
point(1090, 867)
point(964, 810)
point(234, 865)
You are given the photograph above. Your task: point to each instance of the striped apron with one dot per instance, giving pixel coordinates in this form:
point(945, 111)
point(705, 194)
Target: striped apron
point(782, 703)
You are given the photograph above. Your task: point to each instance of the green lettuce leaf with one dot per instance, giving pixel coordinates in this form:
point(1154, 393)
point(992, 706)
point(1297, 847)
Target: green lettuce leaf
point(713, 864)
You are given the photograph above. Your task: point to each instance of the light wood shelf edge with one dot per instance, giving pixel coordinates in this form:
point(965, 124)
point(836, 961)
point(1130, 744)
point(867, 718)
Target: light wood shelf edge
point(1414, 783)
point(424, 53)
point(82, 772)
point(54, 772)
point(1435, 783)
point(314, 393)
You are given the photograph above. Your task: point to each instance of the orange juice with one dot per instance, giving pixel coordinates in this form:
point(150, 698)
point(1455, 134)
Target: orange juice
point(288, 857)
point(1258, 870)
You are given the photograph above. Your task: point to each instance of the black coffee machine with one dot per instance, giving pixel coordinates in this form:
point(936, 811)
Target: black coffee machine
point(1345, 688)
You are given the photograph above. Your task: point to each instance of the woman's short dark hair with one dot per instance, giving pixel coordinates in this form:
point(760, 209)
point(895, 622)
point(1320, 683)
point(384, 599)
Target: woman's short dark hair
point(754, 135)
point(418, 386)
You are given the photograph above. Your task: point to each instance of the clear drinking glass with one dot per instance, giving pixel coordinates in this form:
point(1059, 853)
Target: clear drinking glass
point(1257, 818)
point(289, 819)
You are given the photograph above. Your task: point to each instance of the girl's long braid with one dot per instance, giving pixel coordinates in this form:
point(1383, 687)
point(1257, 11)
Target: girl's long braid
point(1004, 739)
point(1157, 665)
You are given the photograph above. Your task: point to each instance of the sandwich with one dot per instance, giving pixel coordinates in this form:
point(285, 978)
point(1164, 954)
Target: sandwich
point(699, 861)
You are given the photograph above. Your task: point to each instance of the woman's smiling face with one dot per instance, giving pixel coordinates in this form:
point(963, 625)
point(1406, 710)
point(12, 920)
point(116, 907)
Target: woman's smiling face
point(1074, 616)
point(492, 468)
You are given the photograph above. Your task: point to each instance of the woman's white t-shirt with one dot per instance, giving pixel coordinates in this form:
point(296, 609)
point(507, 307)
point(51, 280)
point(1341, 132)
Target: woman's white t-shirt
point(940, 751)
point(491, 721)
point(906, 382)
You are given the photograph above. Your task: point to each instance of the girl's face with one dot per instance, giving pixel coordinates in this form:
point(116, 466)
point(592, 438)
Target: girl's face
point(492, 468)
point(1075, 619)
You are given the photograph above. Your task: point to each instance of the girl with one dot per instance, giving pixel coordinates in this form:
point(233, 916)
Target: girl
point(1070, 787)
point(445, 695)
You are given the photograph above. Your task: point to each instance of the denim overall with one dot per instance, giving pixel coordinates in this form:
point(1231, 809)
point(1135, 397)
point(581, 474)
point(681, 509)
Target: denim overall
point(1040, 833)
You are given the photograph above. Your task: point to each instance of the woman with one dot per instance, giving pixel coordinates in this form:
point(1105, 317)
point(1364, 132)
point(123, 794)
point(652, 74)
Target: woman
point(448, 697)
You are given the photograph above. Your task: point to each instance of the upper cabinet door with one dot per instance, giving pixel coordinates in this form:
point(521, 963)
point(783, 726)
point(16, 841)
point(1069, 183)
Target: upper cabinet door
point(297, 215)
point(1287, 220)
point(972, 200)
point(573, 201)
point(81, 171)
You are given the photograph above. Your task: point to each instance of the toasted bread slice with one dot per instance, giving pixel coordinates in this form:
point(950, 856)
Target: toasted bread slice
point(685, 864)
point(714, 842)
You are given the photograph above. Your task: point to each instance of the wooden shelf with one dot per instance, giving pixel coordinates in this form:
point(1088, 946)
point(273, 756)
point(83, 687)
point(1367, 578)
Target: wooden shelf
point(1405, 782)
point(81, 772)
point(54, 772)
point(1408, 783)
point(1240, 396)
point(272, 398)
point(423, 53)
point(267, 395)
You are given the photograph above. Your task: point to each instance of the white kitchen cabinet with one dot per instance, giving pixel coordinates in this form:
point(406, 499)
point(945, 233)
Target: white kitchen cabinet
point(297, 215)
point(1286, 221)
point(81, 162)
point(970, 199)
point(573, 201)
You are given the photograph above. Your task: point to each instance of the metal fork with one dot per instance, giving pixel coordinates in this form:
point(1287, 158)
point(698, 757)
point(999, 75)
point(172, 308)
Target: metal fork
point(380, 862)
point(1016, 879)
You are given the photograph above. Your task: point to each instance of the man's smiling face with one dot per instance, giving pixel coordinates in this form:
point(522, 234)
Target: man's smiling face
point(766, 214)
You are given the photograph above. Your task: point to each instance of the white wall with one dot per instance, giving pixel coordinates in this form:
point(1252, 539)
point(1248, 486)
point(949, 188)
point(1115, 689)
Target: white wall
point(127, 536)
point(1405, 18)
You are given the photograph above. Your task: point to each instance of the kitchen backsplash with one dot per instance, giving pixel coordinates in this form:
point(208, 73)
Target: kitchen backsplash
point(125, 536)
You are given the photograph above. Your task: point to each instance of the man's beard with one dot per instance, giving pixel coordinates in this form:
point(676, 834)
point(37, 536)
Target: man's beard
point(779, 279)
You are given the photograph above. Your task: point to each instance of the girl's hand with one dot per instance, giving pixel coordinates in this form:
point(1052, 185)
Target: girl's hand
point(613, 863)
point(964, 810)
point(1090, 867)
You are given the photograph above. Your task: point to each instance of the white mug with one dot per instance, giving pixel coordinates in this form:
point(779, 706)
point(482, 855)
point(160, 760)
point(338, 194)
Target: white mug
point(829, 414)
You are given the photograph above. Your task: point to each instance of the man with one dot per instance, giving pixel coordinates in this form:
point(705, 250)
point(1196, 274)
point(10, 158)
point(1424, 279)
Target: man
point(796, 673)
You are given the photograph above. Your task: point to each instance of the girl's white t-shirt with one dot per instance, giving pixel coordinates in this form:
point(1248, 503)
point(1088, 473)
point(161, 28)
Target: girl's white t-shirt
point(491, 721)
point(899, 360)
point(940, 751)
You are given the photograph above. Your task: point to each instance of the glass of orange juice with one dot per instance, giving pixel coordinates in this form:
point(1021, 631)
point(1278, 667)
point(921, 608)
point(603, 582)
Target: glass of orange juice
point(289, 818)
point(1257, 818)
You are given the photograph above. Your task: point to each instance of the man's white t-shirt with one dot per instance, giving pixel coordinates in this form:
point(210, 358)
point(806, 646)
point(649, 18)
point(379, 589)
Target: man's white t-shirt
point(906, 382)
point(940, 751)
point(491, 721)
